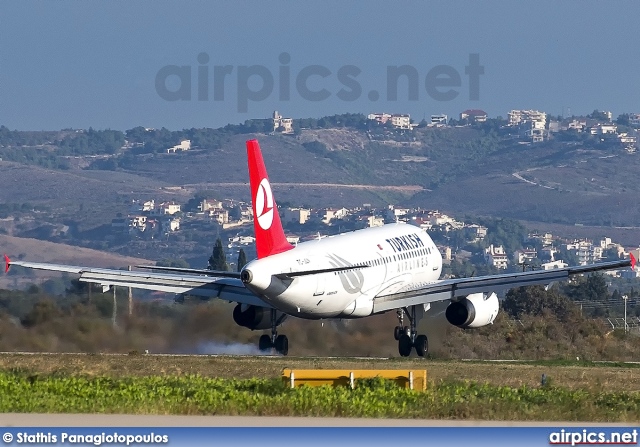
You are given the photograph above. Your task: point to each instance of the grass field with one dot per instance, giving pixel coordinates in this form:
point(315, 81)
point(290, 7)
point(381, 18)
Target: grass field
point(607, 377)
point(249, 386)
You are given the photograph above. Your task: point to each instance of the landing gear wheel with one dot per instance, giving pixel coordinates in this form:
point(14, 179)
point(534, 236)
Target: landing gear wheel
point(397, 332)
point(282, 344)
point(264, 344)
point(405, 345)
point(422, 345)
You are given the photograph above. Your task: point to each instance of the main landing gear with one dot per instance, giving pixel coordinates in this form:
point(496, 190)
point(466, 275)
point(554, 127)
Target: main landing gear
point(407, 336)
point(279, 342)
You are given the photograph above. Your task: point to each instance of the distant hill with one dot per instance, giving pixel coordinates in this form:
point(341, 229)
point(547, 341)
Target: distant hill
point(458, 169)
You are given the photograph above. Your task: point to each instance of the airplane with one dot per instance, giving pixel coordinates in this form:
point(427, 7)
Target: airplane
point(394, 267)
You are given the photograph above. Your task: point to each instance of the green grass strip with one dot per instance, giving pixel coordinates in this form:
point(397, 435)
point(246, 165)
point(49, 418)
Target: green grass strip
point(20, 392)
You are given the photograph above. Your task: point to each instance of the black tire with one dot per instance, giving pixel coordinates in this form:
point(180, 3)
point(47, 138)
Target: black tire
point(422, 345)
point(397, 332)
point(282, 344)
point(405, 345)
point(264, 344)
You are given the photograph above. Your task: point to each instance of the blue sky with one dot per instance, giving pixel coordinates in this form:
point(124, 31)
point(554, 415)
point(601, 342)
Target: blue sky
point(87, 63)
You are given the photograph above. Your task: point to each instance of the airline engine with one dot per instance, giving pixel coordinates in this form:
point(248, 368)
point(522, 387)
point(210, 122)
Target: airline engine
point(254, 317)
point(475, 310)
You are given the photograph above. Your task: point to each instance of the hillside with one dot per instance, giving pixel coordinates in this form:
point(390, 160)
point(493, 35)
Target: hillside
point(458, 170)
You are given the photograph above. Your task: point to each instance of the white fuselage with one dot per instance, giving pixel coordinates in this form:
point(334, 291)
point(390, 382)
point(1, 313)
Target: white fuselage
point(388, 259)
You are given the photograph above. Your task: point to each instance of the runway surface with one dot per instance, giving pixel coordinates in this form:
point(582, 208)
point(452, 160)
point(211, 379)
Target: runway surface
point(123, 420)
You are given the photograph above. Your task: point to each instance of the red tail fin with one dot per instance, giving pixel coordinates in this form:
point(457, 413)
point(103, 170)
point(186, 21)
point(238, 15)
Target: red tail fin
point(270, 238)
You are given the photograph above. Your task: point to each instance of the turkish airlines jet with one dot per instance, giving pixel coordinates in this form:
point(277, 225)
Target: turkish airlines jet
point(351, 275)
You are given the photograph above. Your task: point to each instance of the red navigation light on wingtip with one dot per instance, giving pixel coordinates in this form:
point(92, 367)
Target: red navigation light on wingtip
point(7, 263)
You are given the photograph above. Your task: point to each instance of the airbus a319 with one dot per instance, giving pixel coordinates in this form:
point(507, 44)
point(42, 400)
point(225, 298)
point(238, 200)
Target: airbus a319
point(395, 267)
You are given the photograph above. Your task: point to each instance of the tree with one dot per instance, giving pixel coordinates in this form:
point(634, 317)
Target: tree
point(218, 260)
point(610, 254)
point(623, 120)
point(593, 288)
point(598, 115)
point(242, 259)
point(535, 300)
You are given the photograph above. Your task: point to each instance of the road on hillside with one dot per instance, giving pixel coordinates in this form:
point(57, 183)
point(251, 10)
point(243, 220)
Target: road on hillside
point(401, 188)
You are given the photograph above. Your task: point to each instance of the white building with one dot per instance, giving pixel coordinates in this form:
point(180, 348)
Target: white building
point(524, 256)
point(167, 208)
point(381, 118)
point(586, 252)
point(578, 125)
point(209, 204)
point(236, 241)
point(553, 265)
point(283, 124)
point(603, 129)
point(221, 216)
point(401, 121)
point(473, 115)
point(531, 124)
point(184, 145)
point(172, 224)
point(516, 117)
point(437, 218)
point(370, 221)
point(334, 213)
point(397, 214)
point(138, 222)
point(439, 120)
point(627, 141)
point(496, 256)
point(297, 215)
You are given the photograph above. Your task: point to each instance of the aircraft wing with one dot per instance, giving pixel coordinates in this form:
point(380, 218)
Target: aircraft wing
point(451, 289)
point(226, 289)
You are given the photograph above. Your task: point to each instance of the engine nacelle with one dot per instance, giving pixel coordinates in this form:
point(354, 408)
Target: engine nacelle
point(475, 310)
point(254, 317)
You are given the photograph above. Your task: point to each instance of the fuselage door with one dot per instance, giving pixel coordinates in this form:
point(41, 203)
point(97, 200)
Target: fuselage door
point(321, 278)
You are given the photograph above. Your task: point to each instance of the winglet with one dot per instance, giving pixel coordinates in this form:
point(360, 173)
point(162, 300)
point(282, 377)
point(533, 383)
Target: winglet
point(7, 263)
point(633, 261)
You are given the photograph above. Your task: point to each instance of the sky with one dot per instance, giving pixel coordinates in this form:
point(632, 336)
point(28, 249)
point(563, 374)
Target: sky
point(121, 64)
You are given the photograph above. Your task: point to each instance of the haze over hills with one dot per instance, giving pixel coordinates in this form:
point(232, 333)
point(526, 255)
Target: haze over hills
point(475, 170)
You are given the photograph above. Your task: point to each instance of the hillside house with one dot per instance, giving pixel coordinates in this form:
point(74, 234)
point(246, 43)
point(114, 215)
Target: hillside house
point(184, 145)
point(334, 213)
point(281, 124)
point(473, 116)
point(209, 204)
point(167, 208)
point(221, 216)
point(297, 215)
point(496, 256)
point(369, 221)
